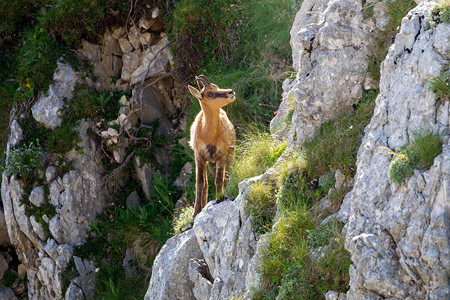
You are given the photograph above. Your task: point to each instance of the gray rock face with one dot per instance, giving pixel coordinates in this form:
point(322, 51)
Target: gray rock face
point(7, 294)
point(397, 234)
point(331, 43)
point(16, 133)
point(156, 62)
point(170, 272)
point(222, 244)
point(4, 237)
point(47, 109)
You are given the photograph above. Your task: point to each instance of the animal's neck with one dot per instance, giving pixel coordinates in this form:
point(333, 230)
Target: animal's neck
point(211, 124)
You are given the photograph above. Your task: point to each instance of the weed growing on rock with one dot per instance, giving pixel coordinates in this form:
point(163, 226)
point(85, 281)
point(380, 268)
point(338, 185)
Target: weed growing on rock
point(440, 85)
point(419, 154)
point(400, 168)
point(440, 13)
point(261, 206)
point(25, 160)
point(327, 181)
point(183, 219)
point(294, 192)
point(337, 142)
point(423, 150)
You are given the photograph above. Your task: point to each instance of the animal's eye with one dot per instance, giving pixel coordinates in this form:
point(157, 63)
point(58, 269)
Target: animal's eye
point(209, 94)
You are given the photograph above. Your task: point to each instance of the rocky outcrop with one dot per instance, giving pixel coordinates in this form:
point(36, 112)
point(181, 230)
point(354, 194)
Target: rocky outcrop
point(398, 234)
point(331, 43)
point(215, 255)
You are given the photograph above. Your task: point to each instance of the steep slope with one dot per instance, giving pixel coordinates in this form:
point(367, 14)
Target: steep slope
point(399, 234)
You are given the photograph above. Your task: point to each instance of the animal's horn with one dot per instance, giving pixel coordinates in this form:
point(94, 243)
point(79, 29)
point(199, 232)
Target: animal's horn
point(204, 80)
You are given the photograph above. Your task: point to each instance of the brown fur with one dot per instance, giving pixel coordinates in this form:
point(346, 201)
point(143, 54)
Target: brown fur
point(213, 139)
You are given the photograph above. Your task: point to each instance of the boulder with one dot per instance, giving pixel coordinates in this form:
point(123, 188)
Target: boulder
point(170, 272)
point(48, 108)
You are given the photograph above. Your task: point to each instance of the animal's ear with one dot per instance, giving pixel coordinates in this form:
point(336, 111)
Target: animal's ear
point(196, 93)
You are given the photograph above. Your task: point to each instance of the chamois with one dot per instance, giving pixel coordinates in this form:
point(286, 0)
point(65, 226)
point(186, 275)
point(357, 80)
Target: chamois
point(212, 137)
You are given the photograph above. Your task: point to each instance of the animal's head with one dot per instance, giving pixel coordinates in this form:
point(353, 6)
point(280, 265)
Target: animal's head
point(210, 94)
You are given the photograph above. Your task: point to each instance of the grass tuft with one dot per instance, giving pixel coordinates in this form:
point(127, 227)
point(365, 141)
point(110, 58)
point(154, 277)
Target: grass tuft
point(440, 85)
point(261, 206)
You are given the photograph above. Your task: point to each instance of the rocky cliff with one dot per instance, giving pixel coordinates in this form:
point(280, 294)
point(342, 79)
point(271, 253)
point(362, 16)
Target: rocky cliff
point(397, 233)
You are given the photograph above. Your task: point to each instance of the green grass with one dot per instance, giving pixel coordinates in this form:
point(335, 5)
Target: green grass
point(254, 156)
point(419, 154)
point(261, 206)
point(337, 142)
point(183, 219)
point(440, 85)
point(396, 10)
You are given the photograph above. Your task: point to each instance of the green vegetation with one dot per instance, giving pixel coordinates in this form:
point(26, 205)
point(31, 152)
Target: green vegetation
point(9, 278)
point(419, 154)
point(261, 206)
point(440, 85)
point(440, 13)
point(183, 219)
point(254, 156)
point(25, 161)
point(396, 11)
point(119, 228)
point(337, 142)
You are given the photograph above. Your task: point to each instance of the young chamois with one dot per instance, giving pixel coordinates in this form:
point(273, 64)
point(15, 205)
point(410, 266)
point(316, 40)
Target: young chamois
point(212, 137)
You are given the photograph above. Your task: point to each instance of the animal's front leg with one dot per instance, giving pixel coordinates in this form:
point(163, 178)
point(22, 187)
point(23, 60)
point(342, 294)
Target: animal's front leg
point(220, 181)
point(201, 186)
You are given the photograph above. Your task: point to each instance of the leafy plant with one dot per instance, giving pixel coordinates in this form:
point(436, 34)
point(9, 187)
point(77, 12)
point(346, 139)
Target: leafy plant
point(183, 219)
point(294, 192)
point(400, 168)
point(25, 160)
point(295, 285)
point(327, 181)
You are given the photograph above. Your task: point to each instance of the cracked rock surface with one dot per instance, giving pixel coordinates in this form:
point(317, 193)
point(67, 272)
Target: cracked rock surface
point(398, 234)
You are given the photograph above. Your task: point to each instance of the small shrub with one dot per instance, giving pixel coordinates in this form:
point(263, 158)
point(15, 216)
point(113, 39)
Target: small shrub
point(295, 285)
point(62, 138)
point(9, 278)
point(327, 181)
point(440, 13)
point(320, 236)
point(399, 169)
point(261, 207)
point(183, 219)
point(294, 192)
point(25, 160)
point(440, 85)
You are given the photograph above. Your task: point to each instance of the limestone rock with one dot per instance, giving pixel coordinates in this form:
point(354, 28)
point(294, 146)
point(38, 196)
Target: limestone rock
point(15, 133)
point(133, 200)
point(47, 110)
point(4, 237)
point(182, 180)
point(3, 266)
point(125, 45)
point(156, 62)
point(145, 173)
point(170, 272)
point(7, 294)
point(201, 277)
point(331, 43)
point(131, 62)
point(37, 196)
point(87, 277)
point(397, 234)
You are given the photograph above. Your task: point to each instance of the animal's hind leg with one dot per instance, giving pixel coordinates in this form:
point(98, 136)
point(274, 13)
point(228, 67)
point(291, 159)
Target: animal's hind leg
point(220, 181)
point(201, 186)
